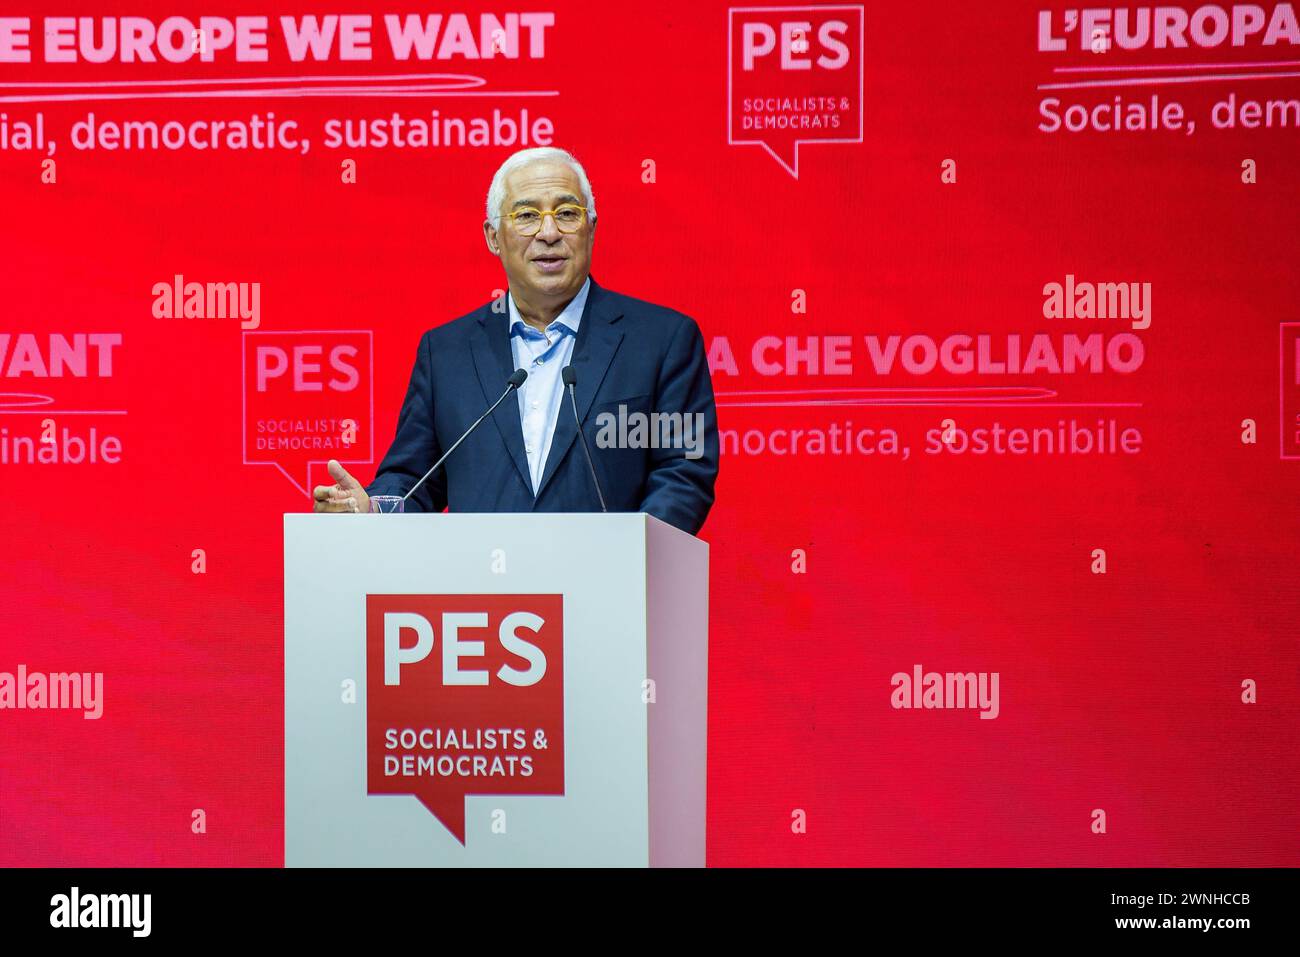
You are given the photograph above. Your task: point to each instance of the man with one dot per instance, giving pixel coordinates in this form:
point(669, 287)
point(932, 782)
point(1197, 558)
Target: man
point(632, 360)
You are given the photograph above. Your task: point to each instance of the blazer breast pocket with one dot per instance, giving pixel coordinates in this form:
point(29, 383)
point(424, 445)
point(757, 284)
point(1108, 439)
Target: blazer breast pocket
point(632, 403)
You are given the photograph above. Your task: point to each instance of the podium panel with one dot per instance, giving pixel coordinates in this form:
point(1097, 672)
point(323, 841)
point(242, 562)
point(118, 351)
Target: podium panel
point(494, 690)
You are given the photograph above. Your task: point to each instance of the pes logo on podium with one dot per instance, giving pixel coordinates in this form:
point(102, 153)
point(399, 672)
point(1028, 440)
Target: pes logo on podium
point(794, 76)
point(464, 695)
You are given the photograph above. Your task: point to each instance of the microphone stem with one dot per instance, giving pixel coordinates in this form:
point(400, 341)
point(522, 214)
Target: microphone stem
point(509, 388)
point(577, 422)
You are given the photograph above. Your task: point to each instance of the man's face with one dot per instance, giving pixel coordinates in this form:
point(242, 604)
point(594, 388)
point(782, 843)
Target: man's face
point(551, 266)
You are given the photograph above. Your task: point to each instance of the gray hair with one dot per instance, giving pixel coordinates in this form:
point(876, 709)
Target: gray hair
point(496, 196)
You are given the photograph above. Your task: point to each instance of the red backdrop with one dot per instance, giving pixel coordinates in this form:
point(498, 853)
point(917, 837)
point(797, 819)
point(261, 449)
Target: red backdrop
point(1119, 691)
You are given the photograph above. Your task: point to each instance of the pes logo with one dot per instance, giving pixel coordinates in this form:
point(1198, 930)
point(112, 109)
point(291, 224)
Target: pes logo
point(794, 76)
point(464, 695)
point(308, 398)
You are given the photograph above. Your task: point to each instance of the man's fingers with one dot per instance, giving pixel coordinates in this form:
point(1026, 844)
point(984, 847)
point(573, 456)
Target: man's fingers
point(333, 506)
point(339, 474)
point(331, 498)
point(344, 496)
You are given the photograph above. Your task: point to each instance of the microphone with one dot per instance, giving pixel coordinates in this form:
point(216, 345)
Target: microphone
point(569, 377)
point(514, 382)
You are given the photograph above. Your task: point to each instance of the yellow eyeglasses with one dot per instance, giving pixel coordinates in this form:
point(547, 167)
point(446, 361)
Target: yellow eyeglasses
point(568, 217)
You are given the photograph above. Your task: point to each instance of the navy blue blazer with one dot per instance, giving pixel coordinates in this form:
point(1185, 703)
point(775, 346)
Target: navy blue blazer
point(628, 353)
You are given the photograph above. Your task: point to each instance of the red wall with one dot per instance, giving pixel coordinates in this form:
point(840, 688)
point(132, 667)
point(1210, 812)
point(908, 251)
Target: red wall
point(1119, 691)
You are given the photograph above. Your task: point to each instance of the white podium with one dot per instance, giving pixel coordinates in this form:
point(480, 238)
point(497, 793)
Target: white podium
point(534, 684)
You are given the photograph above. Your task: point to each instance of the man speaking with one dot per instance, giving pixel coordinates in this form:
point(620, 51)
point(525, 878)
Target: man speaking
point(637, 372)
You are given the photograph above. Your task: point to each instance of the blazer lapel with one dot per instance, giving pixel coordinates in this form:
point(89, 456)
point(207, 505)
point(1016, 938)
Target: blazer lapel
point(494, 362)
point(597, 341)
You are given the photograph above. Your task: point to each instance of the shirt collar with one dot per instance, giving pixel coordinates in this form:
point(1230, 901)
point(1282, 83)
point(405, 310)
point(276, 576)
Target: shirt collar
point(570, 318)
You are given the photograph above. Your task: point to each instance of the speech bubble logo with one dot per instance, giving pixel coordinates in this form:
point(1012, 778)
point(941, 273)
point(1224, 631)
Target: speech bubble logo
point(794, 76)
point(464, 696)
point(308, 398)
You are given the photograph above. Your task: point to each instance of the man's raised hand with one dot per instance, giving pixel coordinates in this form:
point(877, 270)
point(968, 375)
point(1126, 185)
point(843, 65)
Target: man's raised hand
point(345, 495)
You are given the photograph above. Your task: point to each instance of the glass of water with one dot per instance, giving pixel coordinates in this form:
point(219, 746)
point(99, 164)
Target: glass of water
point(387, 503)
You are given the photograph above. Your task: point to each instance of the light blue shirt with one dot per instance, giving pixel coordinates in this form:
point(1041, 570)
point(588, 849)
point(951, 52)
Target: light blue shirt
point(542, 355)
